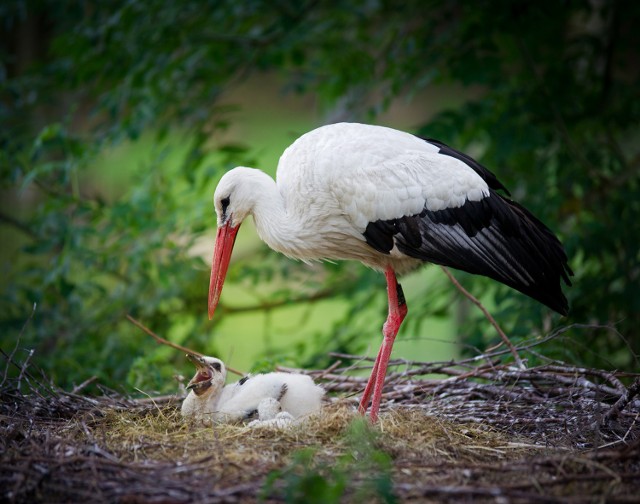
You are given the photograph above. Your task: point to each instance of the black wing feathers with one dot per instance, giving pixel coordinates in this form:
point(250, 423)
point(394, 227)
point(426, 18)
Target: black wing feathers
point(494, 237)
point(409, 228)
point(379, 235)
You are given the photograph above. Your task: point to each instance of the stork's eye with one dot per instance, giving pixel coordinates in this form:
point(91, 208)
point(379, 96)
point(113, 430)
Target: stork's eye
point(216, 366)
point(224, 203)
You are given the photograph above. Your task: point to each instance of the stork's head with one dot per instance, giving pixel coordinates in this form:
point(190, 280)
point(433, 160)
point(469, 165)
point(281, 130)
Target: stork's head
point(210, 375)
point(234, 200)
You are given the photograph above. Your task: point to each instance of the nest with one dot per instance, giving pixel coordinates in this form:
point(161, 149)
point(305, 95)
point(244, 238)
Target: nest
point(483, 430)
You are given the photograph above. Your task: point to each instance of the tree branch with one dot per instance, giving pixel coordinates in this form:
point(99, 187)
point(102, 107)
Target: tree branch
point(18, 224)
point(163, 341)
point(270, 305)
point(476, 302)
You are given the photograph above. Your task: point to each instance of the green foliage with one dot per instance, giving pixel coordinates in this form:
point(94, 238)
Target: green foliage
point(560, 126)
point(363, 473)
point(305, 483)
point(548, 101)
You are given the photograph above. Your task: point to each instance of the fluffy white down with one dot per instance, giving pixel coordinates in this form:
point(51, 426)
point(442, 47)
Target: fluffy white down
point(262, 393)
point(302, 396)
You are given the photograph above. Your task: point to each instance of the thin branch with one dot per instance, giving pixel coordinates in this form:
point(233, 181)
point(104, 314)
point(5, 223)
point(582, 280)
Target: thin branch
point(163, 341)
point(84, 384)
point(621, 403)
point(270, 305)
point(17, 224)
point(15, 348)
point(476, 302)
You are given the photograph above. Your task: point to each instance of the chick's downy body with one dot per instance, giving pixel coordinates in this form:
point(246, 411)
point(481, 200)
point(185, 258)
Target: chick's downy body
point(263, 396)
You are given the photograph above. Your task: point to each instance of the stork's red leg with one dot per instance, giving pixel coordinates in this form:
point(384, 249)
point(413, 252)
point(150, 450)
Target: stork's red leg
point(397, 313)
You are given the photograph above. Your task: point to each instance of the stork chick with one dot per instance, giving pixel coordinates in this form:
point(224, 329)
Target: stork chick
point(277, 398)
point(206, 388)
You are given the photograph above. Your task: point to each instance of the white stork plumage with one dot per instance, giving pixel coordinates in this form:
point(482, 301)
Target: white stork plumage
point(392, 201)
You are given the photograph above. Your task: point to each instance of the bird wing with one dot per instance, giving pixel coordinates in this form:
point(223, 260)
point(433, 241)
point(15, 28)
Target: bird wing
point(494, 237)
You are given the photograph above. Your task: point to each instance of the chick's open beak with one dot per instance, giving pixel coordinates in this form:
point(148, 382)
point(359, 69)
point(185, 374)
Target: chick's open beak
point(202, 379)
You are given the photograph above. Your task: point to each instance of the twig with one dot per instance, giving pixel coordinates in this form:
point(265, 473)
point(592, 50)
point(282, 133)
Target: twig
point(15, 348)
point(155, 400)
point(330, 369)
point(270, 305)
point(476, 302)
point(317, 374)
point(621, 403)
point(17, 224)
point(84, 384)
point(25, 365)
point(163, 341)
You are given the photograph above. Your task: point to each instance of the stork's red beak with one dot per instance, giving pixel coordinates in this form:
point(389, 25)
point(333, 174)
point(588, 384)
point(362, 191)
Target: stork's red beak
point(225, 239)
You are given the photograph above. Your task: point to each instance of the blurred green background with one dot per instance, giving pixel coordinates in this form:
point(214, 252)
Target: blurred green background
point(119, 117)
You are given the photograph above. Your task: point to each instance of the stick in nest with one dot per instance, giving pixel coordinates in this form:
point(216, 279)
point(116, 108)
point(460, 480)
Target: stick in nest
point(163, 341)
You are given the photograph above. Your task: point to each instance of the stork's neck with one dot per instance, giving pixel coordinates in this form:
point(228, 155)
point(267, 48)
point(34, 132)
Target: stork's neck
point(275, 225)
point(290, 224)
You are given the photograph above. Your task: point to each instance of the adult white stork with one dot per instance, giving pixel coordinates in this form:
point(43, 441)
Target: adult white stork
point(392, 201)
